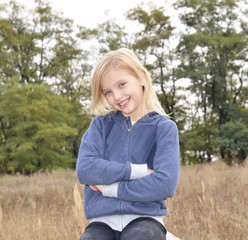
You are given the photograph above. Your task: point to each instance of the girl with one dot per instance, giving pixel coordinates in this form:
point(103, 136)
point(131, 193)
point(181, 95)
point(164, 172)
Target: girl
point(129, 156)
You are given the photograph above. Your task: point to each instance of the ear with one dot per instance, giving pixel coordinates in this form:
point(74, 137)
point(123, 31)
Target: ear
point(143, 78)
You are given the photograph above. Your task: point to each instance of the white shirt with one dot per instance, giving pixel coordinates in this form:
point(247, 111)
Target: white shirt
point(119, 222)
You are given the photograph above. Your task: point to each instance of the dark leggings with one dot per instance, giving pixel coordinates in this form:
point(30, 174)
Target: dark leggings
point(143, 228)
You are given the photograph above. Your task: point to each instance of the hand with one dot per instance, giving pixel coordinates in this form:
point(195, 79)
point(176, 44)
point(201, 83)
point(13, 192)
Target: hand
point(96, 188)
point(149, 171)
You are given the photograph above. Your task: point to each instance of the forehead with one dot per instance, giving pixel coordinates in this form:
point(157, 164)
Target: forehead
point(114, 75)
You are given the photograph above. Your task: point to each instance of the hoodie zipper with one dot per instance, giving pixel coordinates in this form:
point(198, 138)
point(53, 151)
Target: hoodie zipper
point(128, 129)
point(129, 125)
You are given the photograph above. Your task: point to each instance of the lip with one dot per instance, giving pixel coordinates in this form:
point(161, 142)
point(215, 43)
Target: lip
point(124, 103)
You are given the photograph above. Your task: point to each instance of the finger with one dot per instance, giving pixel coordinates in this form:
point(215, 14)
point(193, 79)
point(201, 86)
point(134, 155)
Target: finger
point(149, 171)
point(94, 188)
point(99, 187)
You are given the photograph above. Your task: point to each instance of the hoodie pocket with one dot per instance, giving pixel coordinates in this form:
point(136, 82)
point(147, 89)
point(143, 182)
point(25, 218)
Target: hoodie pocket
point(155, 208)
point(99, 206)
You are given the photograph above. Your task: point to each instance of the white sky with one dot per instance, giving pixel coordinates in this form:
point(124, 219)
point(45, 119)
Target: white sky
point(90, 12)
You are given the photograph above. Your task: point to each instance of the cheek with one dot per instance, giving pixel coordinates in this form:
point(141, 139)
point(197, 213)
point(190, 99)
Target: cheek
point(139, 91)
point(109, 100)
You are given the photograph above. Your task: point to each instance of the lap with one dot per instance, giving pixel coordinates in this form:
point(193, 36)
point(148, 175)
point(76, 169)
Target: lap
point(99, 231)
point(143, 228)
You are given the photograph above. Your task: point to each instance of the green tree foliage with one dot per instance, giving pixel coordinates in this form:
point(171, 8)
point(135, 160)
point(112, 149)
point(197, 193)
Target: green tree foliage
point(109, 36)
point(35, 129)
point(35, 46)
point(234, 136)
point(214, 58)
point(40, 46)
point(197, 144)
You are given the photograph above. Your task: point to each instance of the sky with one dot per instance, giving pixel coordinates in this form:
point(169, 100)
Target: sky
point(89, 13)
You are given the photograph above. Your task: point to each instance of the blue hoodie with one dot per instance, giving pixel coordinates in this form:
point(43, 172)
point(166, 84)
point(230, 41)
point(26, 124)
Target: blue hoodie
point(110, 147)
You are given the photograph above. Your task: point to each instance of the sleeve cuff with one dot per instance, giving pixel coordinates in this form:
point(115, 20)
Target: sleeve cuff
point(110, 190)
point(138, 171)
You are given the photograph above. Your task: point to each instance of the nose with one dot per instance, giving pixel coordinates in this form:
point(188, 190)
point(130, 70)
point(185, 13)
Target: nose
point(117, 95)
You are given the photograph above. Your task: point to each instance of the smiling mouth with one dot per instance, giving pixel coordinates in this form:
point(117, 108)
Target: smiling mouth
point(124, 103)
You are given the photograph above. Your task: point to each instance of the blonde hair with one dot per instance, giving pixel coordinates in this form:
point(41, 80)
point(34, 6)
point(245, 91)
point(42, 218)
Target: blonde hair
point(122, 58)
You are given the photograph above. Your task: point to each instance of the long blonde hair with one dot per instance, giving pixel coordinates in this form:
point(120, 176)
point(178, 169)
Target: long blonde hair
point(122, 58)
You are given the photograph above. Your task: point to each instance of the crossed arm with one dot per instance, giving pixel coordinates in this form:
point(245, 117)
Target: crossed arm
point(115, 179)
point(97, 188)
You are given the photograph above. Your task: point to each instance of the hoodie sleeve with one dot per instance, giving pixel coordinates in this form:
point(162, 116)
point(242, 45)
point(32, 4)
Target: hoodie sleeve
point(162, 183)
point(91, 168)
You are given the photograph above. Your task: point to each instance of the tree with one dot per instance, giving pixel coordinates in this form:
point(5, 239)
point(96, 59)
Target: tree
point(153, 44)
point(234, 137)
point(109, 35)
point(40, 46)
point(35, 127)
point(214, 57)
point(34, 46)
point(197, 142)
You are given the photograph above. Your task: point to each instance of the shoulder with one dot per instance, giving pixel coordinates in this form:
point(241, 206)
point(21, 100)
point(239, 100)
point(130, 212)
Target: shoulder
point(97, 127)
point(166, 125)
point(165, 122)
point(102, 120)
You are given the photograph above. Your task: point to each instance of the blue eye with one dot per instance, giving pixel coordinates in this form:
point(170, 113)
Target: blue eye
point(122, 84)
point(107, 93)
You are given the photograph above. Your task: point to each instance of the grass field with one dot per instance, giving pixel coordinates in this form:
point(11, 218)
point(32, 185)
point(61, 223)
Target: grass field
point(211, 204)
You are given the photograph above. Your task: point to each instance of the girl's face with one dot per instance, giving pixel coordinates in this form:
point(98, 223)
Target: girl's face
point(124, 92)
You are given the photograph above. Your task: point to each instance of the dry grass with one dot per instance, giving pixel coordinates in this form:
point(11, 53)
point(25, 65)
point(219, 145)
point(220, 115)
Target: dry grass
point(39, 207)
point(211, 203)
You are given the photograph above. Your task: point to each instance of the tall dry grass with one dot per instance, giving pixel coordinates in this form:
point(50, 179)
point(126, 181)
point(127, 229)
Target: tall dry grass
point(211, 203)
